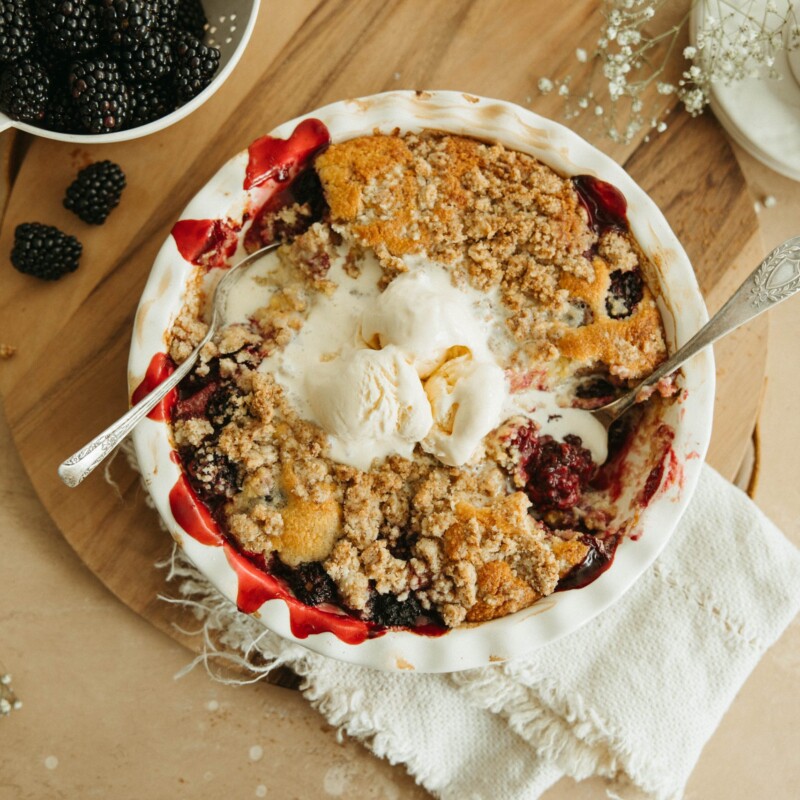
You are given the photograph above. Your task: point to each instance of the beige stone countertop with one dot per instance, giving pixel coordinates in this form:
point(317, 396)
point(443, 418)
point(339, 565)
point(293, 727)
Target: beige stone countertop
point(104, 717)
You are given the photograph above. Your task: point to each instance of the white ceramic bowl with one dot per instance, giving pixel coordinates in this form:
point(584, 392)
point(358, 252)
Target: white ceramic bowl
point(682, 309)
point(231, 23)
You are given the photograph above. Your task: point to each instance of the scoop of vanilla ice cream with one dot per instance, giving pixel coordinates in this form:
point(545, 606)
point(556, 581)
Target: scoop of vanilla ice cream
point(371, 403)
point(467, 398)
point(423, 314)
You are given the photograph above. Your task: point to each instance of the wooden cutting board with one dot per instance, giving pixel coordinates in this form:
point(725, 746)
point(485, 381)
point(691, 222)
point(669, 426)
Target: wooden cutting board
point(68, 378)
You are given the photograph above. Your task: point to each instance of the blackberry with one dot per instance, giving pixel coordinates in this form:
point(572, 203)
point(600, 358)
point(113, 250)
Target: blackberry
point(556, 473)
point(128, 21)
point(194, 405)
point(55, 63)
point(195, 65)
point(101, 96)
point(625, 291)
point(150, 102)
point(62, 114)
point(69, 26)
point(88, 72)
point(226, 404)
point(16, 30)
point(167, 18)
point(148, 61)
point(309, 582)
point(95, 192)
point(387, 610)
point(213, 476)
point(191, 18)
point(44, 251)
point(24, 88)
point(104, 110)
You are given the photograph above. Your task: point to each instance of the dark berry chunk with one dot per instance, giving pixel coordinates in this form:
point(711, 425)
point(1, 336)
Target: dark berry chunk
point(225, 403)
point(556, 473)
point(307, 190)
point(597, 560)
point(595, 389)
point(213, 476)
point(387, 610)
point(625, 291)
point(191, 18)
point(69, 26)
point(593, 392)
point(309, 582)
point(24, 88)
point(148, 61)
point(16, 30)
point(196, 404)
point(95, 192)
point(403, 546)
point(195, 66)
point(127, 22)
point(44, 251)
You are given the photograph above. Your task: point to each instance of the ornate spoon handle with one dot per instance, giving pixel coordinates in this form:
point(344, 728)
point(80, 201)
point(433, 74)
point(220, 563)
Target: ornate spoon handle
point(80, 464)
point(774, 280)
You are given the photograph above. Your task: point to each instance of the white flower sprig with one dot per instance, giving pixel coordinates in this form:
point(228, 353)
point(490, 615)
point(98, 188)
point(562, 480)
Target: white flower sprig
point(630, 63)
point(8, 700)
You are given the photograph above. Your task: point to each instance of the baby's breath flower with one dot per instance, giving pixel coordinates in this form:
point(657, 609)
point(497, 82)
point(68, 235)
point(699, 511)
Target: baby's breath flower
point(738, 39)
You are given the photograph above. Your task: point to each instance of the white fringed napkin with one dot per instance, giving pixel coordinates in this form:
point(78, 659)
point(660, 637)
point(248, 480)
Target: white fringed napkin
point(633, 696)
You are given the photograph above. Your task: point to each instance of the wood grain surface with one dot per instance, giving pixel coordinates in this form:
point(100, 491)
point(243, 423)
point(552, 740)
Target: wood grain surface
point(68, 379)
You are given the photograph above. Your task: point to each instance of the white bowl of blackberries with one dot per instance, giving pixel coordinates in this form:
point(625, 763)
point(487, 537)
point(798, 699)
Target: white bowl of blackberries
point(108, 70)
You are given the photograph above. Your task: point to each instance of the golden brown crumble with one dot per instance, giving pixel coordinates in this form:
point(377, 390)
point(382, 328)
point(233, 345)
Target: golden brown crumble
point(461, 541)
point(7, 351)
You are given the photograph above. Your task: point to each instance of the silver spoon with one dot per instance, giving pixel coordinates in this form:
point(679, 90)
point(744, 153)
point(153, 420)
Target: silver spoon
point(774, 280)
point(79, 465)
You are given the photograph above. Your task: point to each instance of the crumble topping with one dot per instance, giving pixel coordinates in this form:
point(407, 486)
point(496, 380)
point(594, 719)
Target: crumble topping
point(408, 537)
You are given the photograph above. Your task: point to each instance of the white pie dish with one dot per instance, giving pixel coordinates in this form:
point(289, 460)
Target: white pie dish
point(682, 309)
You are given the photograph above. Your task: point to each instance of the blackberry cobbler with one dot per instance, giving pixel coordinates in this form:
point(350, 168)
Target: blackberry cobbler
point(395, 428)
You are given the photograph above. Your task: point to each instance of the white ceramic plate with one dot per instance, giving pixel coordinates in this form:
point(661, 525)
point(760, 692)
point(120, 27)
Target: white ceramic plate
point(762, 115)
point(682, 308)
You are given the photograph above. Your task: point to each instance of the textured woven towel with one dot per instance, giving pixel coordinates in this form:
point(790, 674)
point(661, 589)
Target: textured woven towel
point(632, 696)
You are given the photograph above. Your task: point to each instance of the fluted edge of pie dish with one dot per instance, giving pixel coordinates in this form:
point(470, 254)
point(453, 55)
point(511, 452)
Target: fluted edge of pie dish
point(683, 312)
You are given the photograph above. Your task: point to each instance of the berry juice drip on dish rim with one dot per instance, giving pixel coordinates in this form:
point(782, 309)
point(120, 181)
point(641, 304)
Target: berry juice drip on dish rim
point(160, 368)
